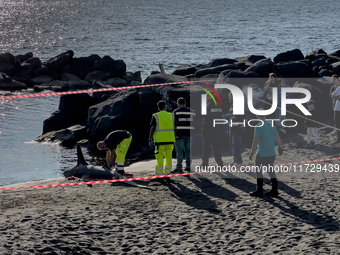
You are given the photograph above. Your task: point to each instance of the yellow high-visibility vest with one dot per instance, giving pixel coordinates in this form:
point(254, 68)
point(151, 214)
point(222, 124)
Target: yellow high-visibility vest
point(164, 132)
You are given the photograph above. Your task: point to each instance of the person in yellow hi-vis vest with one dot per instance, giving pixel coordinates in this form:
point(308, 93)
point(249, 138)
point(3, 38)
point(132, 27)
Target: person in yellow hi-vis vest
point(162, 136)
point(116, 145)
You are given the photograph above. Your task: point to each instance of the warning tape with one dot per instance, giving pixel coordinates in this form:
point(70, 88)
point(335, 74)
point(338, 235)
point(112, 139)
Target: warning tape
point(98, 90)
point(148, 177)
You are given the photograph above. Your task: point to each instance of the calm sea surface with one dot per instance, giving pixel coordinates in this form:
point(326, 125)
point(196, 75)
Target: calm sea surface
point(143, 33)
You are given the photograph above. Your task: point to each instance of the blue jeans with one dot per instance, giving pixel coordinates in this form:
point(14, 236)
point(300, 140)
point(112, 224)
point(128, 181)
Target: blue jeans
point(235, 144)
point(183, 145)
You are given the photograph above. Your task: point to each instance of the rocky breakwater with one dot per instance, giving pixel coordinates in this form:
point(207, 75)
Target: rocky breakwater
point(92, 117)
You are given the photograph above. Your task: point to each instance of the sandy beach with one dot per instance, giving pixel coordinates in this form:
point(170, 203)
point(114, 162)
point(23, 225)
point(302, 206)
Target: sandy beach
point(200, 214)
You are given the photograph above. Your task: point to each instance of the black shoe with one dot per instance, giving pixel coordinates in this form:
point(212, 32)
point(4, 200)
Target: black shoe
point(188, 169)
point(121, 172)
point(256, 193)
point(272, 193)
point(177, 171)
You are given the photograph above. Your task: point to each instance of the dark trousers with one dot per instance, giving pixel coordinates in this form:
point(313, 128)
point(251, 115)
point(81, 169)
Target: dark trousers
point(265, 161)
point(337, 123)
point(211, 142)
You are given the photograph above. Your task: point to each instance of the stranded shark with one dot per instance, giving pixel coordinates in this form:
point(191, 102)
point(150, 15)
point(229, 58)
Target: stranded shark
point(83, 170)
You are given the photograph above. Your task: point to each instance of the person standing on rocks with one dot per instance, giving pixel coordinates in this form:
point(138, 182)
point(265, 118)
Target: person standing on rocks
point(116, 144)
point(162, 137)
point(265, 137)
point(183, 117)
point(336, 96)
point(268, 92)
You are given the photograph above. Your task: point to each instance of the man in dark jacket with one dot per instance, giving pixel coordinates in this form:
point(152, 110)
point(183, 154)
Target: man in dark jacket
point(183, 117)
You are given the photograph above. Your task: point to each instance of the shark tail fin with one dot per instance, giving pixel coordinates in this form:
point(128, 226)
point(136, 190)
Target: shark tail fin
point(81, 160)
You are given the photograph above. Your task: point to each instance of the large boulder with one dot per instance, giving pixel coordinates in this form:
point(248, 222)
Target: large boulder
point(336, 53)
point(39, 80)
point(133, 78)
point(74, 82)
point(164, 78)
point(295, 69)
point(24, 71)
point(66, 137)
point(292, 55)
point(122, 111)
point(43, 70)
point(56, 86)
point(7, 83)
point(251, 59)
point(320, 61)
point(336, 67)
point(262, 67)
point(23, 58)
point(221, 61)
point(184, 70)
point(214, 70)
point(116, 82)
point(237, 77)
point(59, 62)
point(315, 54)
point(97, 75)
point(83, 65)
point(7, 63)
point(72, 110)
point(116, 68)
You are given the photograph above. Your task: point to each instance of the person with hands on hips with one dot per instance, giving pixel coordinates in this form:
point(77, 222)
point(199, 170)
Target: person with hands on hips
point(263, 147)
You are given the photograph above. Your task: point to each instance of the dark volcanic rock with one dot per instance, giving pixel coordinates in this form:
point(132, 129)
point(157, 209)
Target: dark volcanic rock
point(325, 72)
point(23, 58)
point(221, 61)
point(74, 82)
point(121, 111)
point(43, 70)
point(56, 86)
point(184, 70)
point(7, 63)
point(163, 78)
point(316, 54)
point(97, 75)
point(252, 59)
point(320, 61)
point(39, 80)
point(336, 53)
point(24, 71)
point(292, 55)
point(65, 137)
point(295, 69)
point(262, 67)
point(7, 83)
point(214, 70)
point(336, 67)
point(84, 65)
point(72, 110)
point(59, 62)
point(133, 78)
point(116, 82)
point(107, 64)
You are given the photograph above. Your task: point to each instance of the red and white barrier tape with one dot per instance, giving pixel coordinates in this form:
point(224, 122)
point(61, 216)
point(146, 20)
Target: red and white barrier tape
point(98, 90)
point(148, 177)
